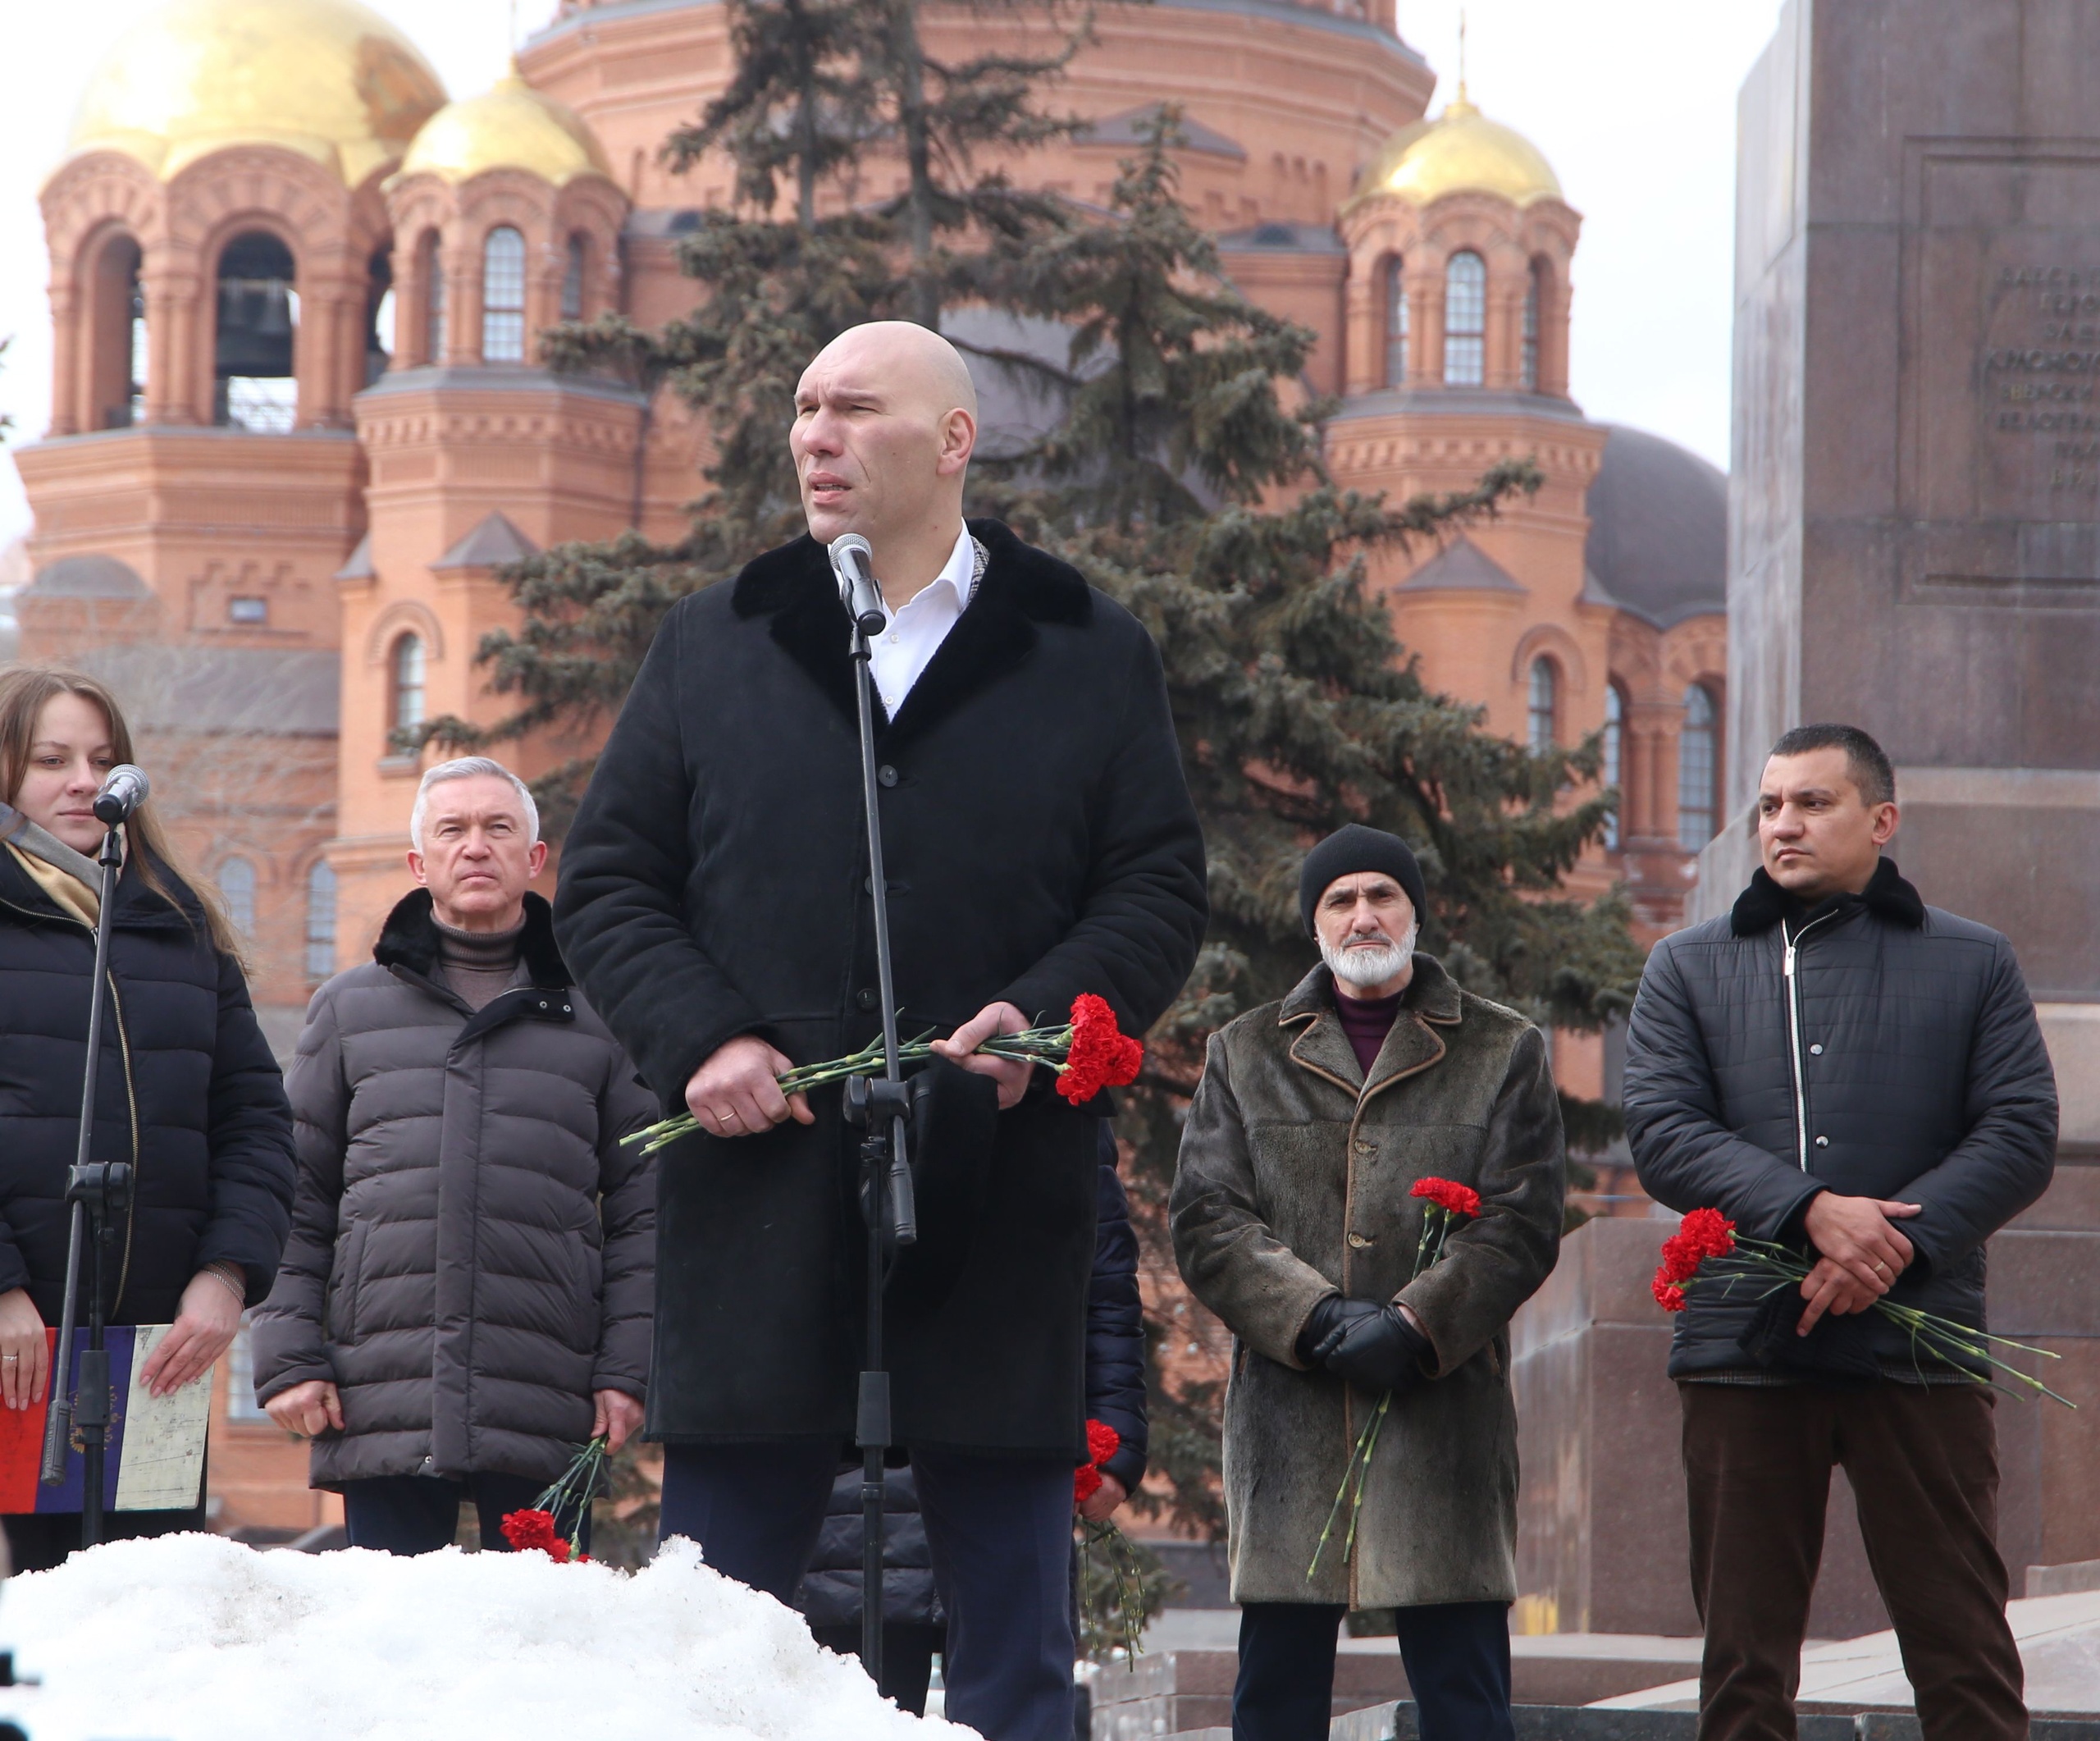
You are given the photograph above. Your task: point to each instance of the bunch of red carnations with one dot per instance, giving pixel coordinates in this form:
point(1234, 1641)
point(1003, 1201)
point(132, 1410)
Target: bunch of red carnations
point(1103, 1442)
point(567, 1499)
point(1706, 1252)
point(1450, 1203)
point(1090, 1053)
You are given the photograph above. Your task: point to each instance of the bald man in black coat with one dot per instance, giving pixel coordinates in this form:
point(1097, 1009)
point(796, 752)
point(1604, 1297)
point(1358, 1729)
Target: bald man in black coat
point(1040, 844)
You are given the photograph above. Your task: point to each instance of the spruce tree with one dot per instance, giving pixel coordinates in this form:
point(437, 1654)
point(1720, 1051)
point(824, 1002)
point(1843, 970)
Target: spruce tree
point(821, 88)
point(1181, 480)
point(1182, 483)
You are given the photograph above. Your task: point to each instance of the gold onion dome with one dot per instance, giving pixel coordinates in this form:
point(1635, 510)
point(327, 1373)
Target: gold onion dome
point(328, 79)
point(1462, 151)
point(510, 127)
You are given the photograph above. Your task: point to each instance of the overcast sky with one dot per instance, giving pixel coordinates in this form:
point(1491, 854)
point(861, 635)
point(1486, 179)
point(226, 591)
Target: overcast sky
point(1633, 101)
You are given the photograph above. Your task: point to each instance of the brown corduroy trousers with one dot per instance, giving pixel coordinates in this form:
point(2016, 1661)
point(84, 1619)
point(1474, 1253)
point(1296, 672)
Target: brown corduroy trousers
point(1923, 1464)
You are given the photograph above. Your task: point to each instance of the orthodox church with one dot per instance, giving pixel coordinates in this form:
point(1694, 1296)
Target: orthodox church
point(298, 426)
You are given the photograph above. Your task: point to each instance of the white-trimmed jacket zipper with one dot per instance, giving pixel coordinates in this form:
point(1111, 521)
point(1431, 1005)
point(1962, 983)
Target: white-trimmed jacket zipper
point(1793, 989)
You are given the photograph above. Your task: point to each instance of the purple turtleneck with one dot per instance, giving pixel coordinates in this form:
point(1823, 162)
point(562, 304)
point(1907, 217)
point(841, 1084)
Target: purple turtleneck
point(1366, 1022)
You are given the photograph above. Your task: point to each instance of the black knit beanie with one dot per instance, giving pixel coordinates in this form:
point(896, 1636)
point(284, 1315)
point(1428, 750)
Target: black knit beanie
point(1349, 850)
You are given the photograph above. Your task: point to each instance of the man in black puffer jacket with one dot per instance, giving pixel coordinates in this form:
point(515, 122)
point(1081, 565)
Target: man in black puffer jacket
point(1839, 1066)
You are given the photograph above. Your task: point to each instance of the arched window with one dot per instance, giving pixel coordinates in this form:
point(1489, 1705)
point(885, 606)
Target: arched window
point(503, 296)
point(135, 406)
point(116, 336)
point(1465, 321)
point(1614, 738)
point(572, 278)
point(1396, 325)
point(1698, 768)
point(1542, 706)
point(430, 268)
point(320, 922)
point(379, 336)
point(237, 890)
point(1533, 295)
point(258, 327)
point(406, 712)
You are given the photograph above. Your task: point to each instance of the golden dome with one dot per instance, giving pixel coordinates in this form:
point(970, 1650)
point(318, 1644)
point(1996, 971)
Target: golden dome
point(510, 126)
point(1460, 151)
point(327, 78)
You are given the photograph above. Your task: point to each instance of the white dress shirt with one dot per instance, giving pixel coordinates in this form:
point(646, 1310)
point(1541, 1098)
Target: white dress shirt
point(910, 636)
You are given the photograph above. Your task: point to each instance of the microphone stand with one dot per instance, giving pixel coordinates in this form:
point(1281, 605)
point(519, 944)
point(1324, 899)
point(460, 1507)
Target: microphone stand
point(96, 1190)
point(878, 1109)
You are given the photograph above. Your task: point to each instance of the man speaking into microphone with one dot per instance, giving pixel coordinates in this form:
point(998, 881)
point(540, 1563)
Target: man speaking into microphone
point(715, 904)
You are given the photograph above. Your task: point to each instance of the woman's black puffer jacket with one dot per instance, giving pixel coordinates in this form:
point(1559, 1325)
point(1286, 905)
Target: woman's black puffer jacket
point(186, 1091)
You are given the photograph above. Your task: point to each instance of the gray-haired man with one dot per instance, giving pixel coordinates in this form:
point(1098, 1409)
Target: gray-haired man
point(467, 1293)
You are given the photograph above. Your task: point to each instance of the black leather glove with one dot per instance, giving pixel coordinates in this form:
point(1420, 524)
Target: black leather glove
point(1373, 1347)
point(1324, 1329)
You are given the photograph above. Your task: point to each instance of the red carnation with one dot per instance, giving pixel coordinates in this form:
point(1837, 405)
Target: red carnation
point(1712, 1234)
point(1680, 1259)
point(1703, 1234)
point(1100, 1055)
point(524, 1529)
point(1102, 1440)
point(1448, 1194)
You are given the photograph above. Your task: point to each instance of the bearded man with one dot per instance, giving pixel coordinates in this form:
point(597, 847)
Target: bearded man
point(1040, 844)
point(1294, 1220)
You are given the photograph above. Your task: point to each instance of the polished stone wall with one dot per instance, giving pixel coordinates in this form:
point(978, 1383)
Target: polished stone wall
point(1602, 1543)
point(1915, 490)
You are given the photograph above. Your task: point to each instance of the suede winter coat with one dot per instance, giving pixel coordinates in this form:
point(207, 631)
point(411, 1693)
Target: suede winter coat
point(1040, 844)
point(187, 1092)
point(473, 1246)
point(1909, 1066)
point(1294, 1183)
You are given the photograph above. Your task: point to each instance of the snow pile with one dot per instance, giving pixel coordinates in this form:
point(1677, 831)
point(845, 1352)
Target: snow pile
point(198, 1638)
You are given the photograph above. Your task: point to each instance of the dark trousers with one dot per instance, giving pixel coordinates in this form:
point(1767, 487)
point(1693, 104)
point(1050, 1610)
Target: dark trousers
point(37, 1544)
point(1923, 1464)
point(907, 1659)
point(999, 1532)
point(1457, 1656)
point(420, 1514)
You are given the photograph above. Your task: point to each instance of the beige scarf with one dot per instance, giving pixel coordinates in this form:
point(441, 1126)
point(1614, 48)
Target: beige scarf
point(68, 877)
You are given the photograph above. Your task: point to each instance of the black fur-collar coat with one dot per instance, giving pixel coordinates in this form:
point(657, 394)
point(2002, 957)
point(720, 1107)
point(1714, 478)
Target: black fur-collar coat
point(1040, 842)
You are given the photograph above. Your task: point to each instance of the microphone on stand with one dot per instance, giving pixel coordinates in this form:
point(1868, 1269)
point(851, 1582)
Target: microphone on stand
point(853, 562)
point(122, 793)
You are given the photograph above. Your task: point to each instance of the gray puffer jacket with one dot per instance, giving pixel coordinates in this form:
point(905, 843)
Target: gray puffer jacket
point(473, 1249)
point(1907, 1065)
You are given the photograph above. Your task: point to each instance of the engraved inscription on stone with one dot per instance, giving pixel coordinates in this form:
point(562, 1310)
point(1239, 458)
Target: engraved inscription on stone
point(1999, 469)
point(2039, 368)
point(2003, 263)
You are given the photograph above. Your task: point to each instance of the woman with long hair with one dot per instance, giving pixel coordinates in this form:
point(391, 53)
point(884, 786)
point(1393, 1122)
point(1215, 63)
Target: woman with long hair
point(187, 1092)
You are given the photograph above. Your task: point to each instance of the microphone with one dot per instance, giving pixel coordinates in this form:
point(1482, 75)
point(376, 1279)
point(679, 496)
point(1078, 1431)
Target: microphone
point(852, 562)
point(122, 793)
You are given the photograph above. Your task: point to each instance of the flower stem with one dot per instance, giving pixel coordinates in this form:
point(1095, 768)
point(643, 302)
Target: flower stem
point(1037, 1045)
point(1359, 1467)
point(1941, 1338)
point(1363, 1475)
